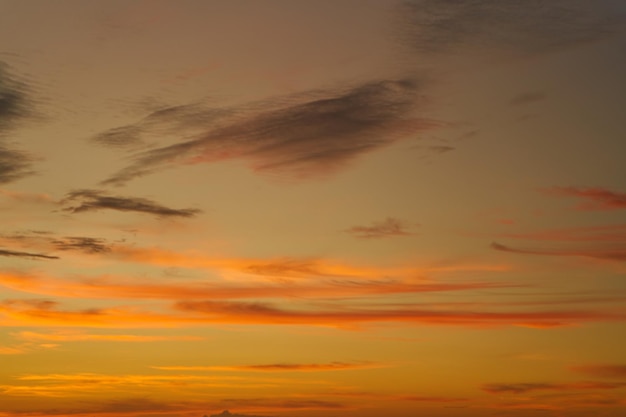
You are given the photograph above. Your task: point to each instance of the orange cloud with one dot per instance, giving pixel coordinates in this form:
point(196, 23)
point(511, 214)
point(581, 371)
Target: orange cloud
point(118, 287)
point(260, 313)
point(82, 337)
point(604, 371)
point(279, 367)
point(522, 388)
point(607, 233)
point(594, 198)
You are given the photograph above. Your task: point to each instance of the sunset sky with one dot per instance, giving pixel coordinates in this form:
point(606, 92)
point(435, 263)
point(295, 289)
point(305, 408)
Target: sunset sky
point(312, 208)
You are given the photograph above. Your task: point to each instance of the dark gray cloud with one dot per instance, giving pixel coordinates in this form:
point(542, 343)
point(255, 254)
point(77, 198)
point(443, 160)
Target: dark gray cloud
point(14, 164)
point(41, 240)
point(387, 228)
point(94, 200)
point(166, 121)
point(14, 103)
point(19, 254)
point(14, 107)
point(313, 134)
point(510, 26)
point(81, 244)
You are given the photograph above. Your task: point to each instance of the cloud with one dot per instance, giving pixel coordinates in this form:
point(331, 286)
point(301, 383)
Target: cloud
point(523, 388)
point(264, 313)
point(595, 199)
point(47, 241)
point(274, 404)
point(422, 399)
point(68, 336)
point(604, 371)
point(93, 200)
point(14, 99)
point(127, 288)
point(279, 367)
point(14, 107)
point(608, 254)
point(387, 228)
point(81, 244)
point(314, 134)
point(508, 26)
point(187, 118)
point(18, 254)
point(615, 233)
point(14, 165)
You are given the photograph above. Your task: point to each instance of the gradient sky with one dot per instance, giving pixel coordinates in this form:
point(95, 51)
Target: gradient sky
point(333, 208)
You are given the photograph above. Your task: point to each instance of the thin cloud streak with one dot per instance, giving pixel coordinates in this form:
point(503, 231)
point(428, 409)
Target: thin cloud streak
point(390, 227)
point(18, 254)
point(523, 388)
point(608, 233)
point(85, 337)
point(607, 254)
point(280, 367)
point(603, 371)
point(120, 287)
point(594, 199)
point(93, 200)
point(299, 138)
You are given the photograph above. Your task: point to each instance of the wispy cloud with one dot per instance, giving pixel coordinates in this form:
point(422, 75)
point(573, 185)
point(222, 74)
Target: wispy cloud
point(14, 164)
point(279, 367)
point(594, 199)
point(613, 233)
point(604, 371)
point(126, 288)
point(387, 228)
point(174, 120)
point(264, 313)
point(609, 254)
point(72, 336)
point(94, 200)
point(81, 244)
point(15, 107)
point(313, 134)
point(18, 254)
point(508, 26)
point(522, 388)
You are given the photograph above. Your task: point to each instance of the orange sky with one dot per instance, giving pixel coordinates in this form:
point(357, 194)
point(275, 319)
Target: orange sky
point(293, 208)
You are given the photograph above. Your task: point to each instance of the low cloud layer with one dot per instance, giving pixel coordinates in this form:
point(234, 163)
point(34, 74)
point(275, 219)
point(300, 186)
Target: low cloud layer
point(94, 200)
point(314, 134)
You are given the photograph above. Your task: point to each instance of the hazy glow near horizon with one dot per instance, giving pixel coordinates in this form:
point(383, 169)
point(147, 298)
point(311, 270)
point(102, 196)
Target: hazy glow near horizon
point(312, 208)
